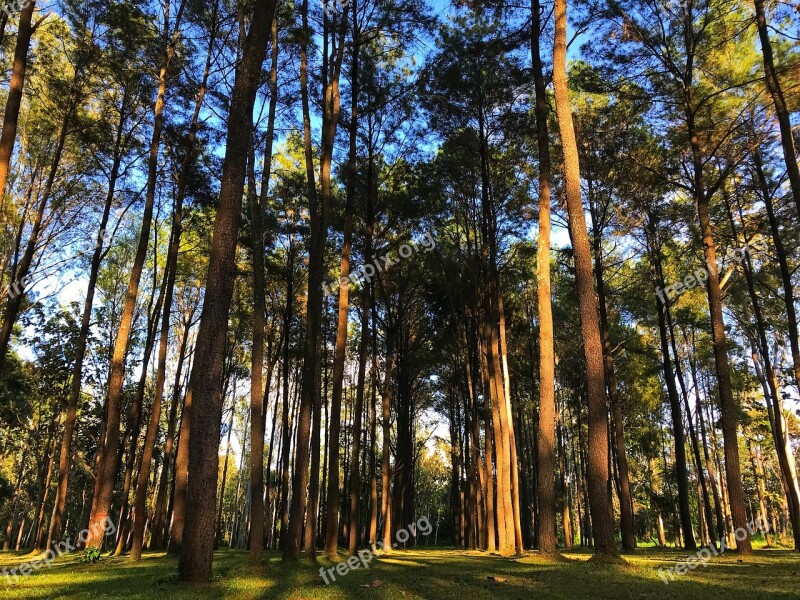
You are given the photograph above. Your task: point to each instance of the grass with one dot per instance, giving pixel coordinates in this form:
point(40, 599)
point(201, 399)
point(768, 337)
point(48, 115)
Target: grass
point(430, 574)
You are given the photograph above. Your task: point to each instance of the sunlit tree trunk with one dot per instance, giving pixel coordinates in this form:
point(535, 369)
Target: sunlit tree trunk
point(546, 523)
point(161, 512)
point(781, 111)
point(64, 463)
point(107, 469)
point(598, 473)
point(13, 103)
point(206, 378)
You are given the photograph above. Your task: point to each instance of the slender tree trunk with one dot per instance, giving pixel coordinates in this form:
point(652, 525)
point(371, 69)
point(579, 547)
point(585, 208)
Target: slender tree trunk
point(781, 110)
point(257, 410)
point(627, 525)
point(332, 520)
point(206, 379)
point(64, 463)
point(134, 424)
point(318, 209)
point(758, 470)
point(602, 518)
point(703, 485)
point(719, 343)
point(159, 518)
point(546, 523)
point(40, 516)
point(285, 425)
point(139, 508)
point(256, 539)
point(782, 446)
point(386, 473)
point(107, 469)
point(14, 101)
point(682, 473)
point(309, 389)
point(712, 472)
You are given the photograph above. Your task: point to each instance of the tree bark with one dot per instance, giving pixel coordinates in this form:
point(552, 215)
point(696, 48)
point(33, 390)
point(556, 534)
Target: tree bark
point(14, 100)
point(107, 469)
point(546, 523)
point(602, 519)
point(206, 379)
point(318, 210)
point(719, 343)
point(781, 109)
point(65, 458)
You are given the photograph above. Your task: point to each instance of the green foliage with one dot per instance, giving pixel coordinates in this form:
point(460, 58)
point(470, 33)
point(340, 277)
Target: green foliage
point(90, 555)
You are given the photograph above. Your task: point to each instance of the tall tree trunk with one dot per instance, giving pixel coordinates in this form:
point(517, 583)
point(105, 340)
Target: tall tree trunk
point(782, 446)
point(206, 379)
point(40, 516)
point(546, 523)
point(139, 508)
point(14, 101)
point(257, 390)
point(681, 471)
point(107, 469)
point(719, 343)
point(703, 487)
point(65, 458)
point(318, 209)
point(758, 471)
point(386, 472)
point(332, 520)
point(256, 485)
point(712, 472)
point(781, 109)
point(600, 507)
point(627, 525)
point(313, 316)
point(161, 512)
point(134, 425)
point(285, 424)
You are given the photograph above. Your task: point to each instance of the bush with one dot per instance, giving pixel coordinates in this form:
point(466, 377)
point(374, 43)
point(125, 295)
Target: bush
point(90, 555)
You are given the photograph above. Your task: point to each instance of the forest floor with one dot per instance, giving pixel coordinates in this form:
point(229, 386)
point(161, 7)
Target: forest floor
point(429, 574)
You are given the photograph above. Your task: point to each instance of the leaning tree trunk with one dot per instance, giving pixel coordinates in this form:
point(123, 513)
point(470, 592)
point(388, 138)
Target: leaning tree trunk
point(781, 109)
point(206, 379)
point(772, 395)
point(727, 403)
point(65, 459)
point(14, 99)
point(600, 506)
point(139, 508)
point(107, 469)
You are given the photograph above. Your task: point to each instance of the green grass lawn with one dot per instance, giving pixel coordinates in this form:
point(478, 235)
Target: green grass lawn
point(431, 574)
